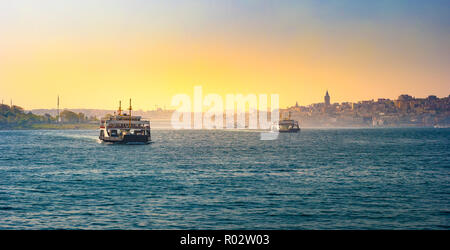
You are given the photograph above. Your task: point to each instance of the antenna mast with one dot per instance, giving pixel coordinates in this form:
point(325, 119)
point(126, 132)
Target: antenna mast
point(130, 114)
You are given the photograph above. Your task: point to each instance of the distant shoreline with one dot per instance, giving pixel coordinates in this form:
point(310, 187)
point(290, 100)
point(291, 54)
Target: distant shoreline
point(95, 127)
point(69, 126)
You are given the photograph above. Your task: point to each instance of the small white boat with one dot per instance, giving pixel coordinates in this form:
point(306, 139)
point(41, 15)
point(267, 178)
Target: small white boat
point(286, 126)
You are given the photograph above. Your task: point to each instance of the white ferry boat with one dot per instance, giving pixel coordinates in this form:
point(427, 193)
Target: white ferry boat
point(286, 126)
point(125, 128)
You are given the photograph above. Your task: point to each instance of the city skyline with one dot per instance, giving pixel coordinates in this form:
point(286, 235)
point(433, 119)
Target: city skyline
point(94, 53)
point(403, 111)
point(289, 105)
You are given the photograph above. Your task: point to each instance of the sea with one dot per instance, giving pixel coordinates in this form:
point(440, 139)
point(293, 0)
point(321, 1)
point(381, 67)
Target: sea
point(374, 178)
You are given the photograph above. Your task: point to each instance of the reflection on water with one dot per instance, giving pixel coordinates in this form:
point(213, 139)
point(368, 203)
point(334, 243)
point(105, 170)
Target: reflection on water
point(316, 179)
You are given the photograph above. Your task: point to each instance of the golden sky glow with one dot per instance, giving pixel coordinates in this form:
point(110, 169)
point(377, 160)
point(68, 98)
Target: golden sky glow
point(97, 55)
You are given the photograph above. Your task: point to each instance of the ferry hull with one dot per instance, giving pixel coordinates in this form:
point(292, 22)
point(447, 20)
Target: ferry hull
point(140, 139)
point(289, 131)
point(135, 138)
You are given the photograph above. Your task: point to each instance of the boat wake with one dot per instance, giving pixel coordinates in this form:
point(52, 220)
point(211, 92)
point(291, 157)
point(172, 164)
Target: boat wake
point(71, 136)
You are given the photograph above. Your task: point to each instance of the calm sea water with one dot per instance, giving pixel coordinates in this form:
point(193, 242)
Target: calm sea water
point(317, 179)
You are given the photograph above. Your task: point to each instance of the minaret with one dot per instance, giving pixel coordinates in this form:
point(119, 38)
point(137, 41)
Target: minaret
point(327, 99)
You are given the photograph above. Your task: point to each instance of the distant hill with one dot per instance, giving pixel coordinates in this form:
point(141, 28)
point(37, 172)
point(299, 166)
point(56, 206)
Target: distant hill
point(159, 114)
point(88, 112)
point(16, 117)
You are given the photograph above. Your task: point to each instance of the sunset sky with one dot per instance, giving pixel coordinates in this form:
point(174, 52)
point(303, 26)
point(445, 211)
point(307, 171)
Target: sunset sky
point(94, 53)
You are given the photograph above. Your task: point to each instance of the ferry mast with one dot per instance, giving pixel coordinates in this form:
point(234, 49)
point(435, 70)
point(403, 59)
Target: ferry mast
point(130, 115)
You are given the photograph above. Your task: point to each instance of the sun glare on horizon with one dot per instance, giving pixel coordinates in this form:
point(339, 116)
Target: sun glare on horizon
point(93, 53)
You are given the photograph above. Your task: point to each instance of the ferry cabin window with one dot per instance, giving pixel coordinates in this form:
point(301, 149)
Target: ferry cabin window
point(113, 132)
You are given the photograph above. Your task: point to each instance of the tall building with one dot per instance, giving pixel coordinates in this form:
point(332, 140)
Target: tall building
point(327, 99)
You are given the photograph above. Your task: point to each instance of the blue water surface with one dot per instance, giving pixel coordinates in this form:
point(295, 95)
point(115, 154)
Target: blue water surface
point(197, 179)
